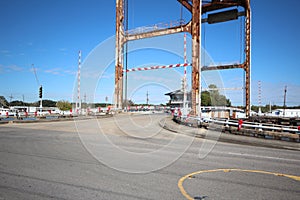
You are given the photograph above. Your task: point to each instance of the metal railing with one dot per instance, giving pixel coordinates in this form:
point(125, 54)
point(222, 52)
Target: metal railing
point(155, 27)
point(250, 125)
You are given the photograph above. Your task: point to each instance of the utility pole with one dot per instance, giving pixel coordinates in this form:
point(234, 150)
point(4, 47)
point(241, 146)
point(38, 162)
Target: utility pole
point(40, 88)
point(259, 98)
point(147, 99)
point(106, 100)
point(284, 101)
point(85, 105)
point(10, 98)
point(41, 97)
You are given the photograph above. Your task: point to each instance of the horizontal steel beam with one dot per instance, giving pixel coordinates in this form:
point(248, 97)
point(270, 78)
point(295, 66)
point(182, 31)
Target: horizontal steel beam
point(222, 4)
point(172, 30)
point(160, 32)
point(221, 67)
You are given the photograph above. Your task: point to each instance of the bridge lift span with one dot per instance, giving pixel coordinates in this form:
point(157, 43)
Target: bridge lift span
point(218, 11)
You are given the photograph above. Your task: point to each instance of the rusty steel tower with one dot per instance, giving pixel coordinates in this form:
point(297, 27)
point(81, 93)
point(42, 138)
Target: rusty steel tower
point(218, 11)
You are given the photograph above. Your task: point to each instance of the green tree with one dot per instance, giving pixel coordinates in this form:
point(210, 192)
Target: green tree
point(213, 97)
point(64, 105)
point(254, 108)
point(205, 98)
point(228, 102)
point(49, 103)
point(102, 104)
point(18, 103)
point(35, 104)
point(3, 102)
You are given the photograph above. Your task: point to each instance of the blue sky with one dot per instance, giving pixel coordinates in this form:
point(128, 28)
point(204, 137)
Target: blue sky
point(49, 35)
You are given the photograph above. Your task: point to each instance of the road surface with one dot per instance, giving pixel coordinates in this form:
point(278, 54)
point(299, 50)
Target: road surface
point(131, 157)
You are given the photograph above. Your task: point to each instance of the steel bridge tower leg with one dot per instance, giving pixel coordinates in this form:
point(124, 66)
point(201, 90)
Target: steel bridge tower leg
point(195, 55)
point(118, 96)
point(248, 60)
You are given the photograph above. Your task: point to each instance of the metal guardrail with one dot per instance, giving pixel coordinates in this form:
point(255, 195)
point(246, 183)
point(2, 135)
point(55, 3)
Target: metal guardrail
point(249, 125)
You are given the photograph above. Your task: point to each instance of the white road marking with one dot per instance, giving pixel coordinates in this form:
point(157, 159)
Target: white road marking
point(265, 157)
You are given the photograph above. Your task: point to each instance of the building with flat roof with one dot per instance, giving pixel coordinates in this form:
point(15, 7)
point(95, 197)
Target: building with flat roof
point(286, 113)
point(176, 99)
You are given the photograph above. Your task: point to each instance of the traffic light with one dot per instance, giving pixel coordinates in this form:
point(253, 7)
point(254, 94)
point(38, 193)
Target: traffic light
point(41, 92)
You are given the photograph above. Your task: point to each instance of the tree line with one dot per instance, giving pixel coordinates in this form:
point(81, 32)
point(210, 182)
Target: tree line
point(6, 104)
point(208, 98)
point(266, 108)
point(62, 105)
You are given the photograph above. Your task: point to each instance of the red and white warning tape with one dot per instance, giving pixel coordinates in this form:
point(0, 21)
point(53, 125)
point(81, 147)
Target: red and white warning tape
point(157, 67)
point(184, 52)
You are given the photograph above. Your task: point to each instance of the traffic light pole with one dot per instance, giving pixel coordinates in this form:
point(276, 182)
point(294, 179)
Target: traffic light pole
point(41, 97)
point(41, 104)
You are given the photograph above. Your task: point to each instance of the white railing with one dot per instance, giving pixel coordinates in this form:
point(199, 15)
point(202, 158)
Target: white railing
point(253, 125)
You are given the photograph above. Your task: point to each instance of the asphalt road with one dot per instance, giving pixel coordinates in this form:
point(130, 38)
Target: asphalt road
point(131, 157)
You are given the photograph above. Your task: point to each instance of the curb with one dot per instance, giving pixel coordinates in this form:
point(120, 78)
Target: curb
point(169, 125)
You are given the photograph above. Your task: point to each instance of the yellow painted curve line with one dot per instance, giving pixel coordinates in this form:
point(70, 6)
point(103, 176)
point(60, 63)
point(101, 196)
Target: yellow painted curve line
point(187, 196)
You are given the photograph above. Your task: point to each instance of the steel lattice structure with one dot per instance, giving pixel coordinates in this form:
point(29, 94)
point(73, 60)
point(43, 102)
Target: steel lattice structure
point(216, 13)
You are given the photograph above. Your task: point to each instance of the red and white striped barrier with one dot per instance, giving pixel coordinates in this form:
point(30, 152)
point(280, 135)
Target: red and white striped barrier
point(157, 67)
